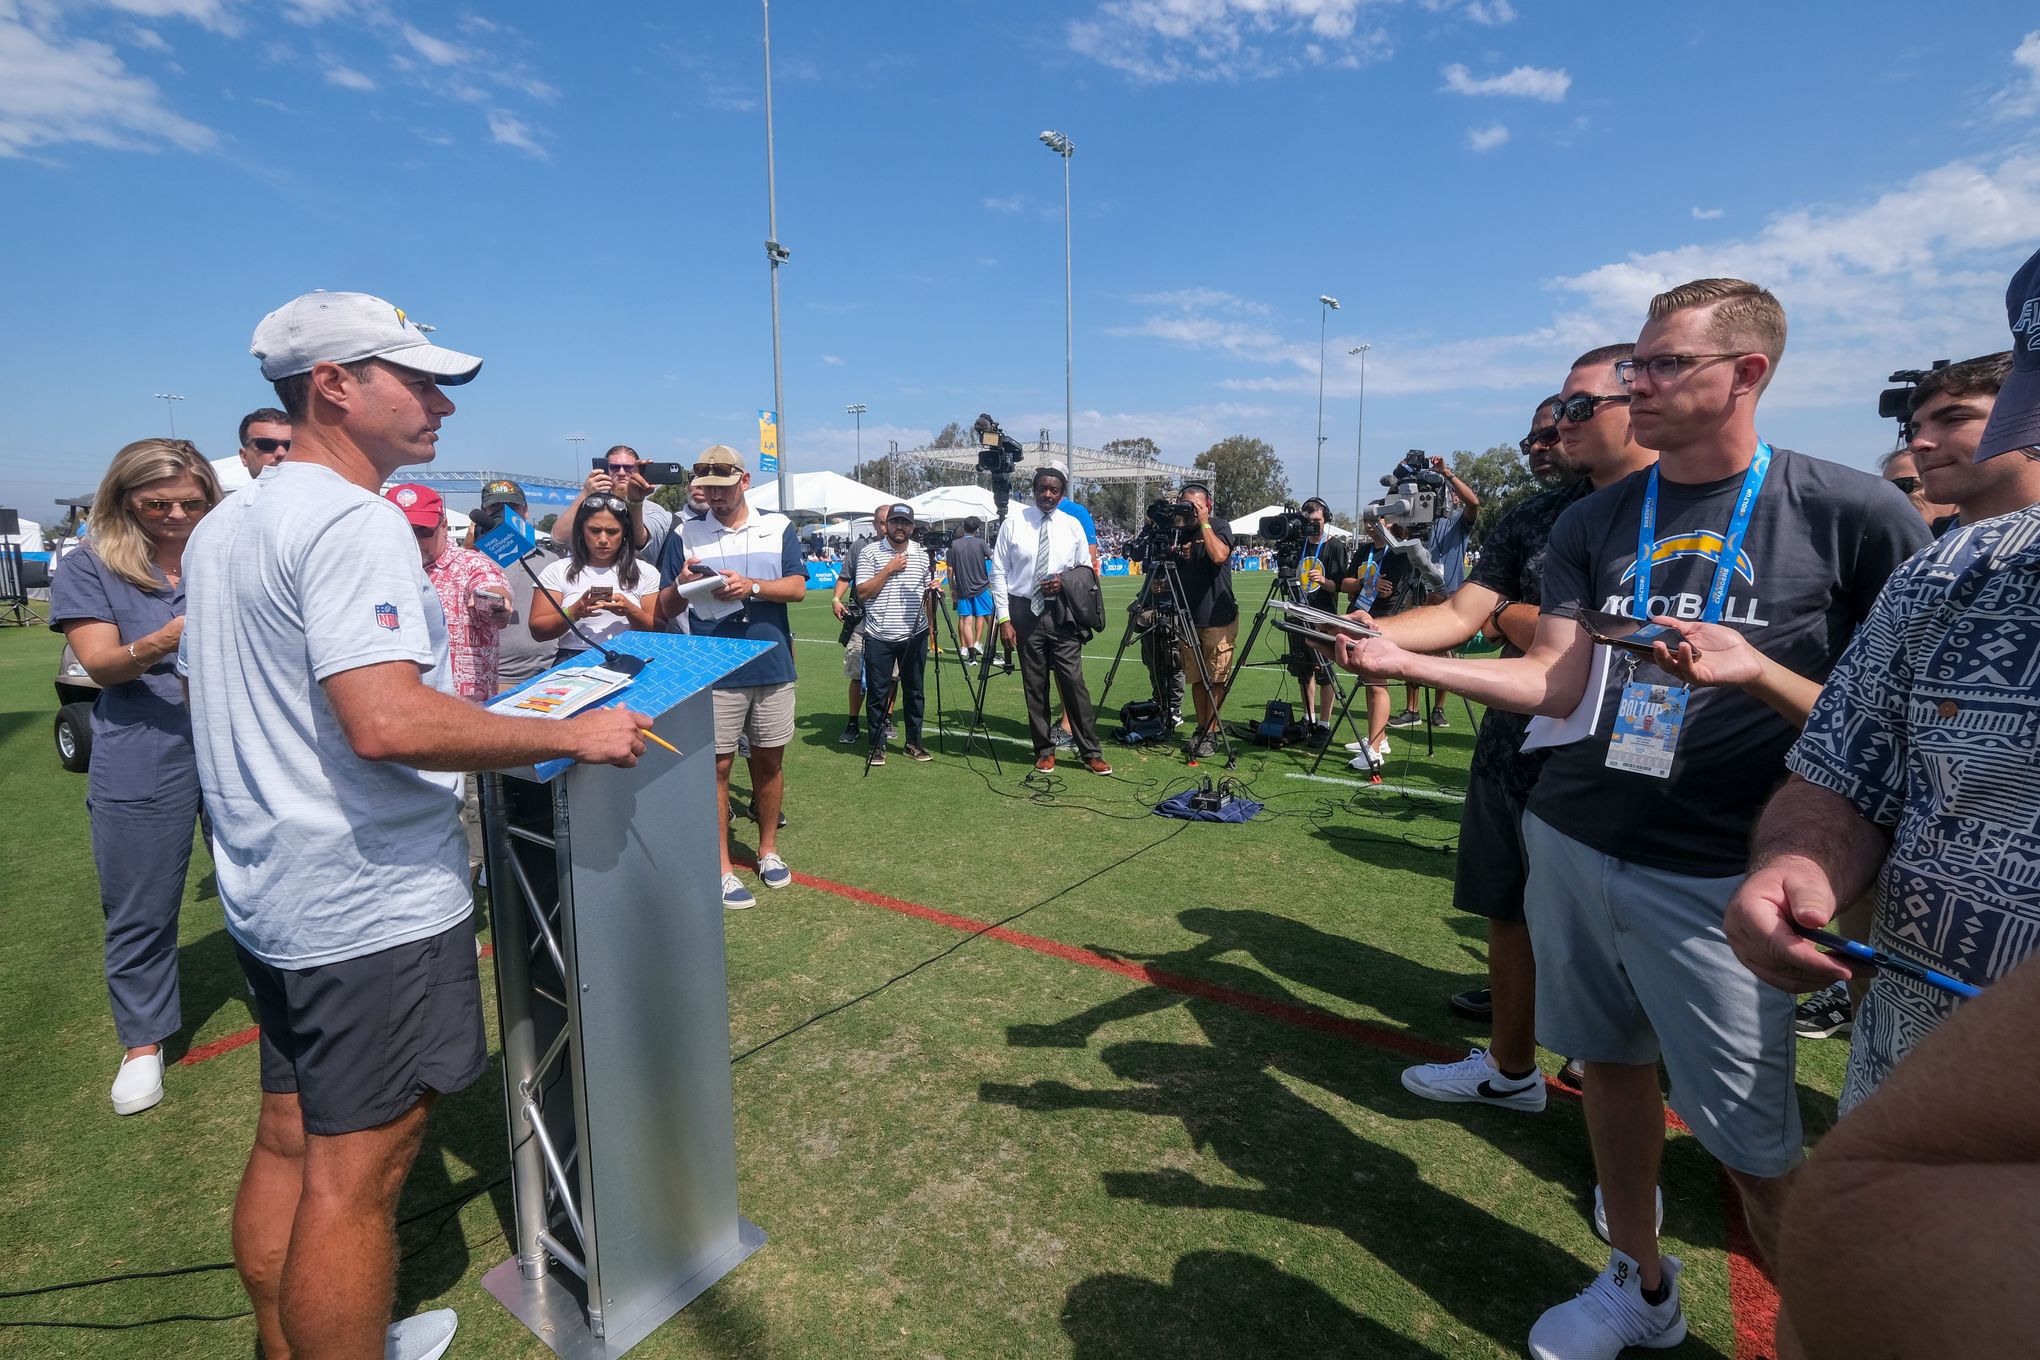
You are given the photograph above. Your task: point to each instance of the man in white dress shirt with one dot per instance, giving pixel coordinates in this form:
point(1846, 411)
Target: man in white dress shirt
point(1037, 543)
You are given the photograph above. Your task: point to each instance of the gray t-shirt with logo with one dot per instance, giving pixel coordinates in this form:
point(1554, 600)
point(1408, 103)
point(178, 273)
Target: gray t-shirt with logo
point(320, 855)
point(1821, 541)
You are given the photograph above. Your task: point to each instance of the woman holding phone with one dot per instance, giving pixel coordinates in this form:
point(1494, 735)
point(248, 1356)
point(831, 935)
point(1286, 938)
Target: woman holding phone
point(602, 586)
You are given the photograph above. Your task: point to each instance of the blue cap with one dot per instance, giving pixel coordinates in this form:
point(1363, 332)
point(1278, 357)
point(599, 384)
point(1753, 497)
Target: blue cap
point(2015, 420)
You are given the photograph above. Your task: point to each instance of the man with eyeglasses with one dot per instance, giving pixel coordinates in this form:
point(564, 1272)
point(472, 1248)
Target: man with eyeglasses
point(650, 522)
point(329, 740)
point(1759, 563)
point(1569, 432)
point(265, 439)
point(757, 561)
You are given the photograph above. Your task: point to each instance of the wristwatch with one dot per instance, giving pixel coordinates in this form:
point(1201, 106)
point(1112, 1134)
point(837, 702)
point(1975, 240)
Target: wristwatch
point(754, 590)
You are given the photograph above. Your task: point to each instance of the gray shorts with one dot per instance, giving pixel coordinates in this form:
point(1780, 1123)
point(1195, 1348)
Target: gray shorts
point(853, 658)
point(1633, 966)
point(764, 713)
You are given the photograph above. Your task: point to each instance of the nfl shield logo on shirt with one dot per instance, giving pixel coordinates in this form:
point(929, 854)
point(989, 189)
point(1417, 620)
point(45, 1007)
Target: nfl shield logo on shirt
point(386, 616)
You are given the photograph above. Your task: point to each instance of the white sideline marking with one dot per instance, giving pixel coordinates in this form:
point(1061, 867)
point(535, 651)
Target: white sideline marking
point(1410, 789)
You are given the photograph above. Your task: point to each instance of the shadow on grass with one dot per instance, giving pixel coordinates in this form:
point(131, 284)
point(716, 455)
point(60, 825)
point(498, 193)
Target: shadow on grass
point(1234, 1097)
point(1221, 1304)
point(209, 981)
point(465, 1147)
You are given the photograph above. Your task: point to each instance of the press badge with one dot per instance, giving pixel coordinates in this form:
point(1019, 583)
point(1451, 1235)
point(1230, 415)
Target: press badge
point(1647, 726)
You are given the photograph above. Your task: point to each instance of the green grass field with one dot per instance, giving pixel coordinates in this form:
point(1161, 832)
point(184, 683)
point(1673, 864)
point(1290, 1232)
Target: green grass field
point(1000, 1153)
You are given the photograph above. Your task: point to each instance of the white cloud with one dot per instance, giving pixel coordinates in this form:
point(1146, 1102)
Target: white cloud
point(508, 130)
point(2021, 99)
point(1007, 203)
point(217, 15)
point(435, 50)
point(1164, 41)
point(56, 90)
point(1487, 138)
point(988, 261)
point(1526, 82)
point(833, 361)
point(148, 39)
point(1200, 299)
point(1708, 214)
point(1491, 13)
point(347, 78)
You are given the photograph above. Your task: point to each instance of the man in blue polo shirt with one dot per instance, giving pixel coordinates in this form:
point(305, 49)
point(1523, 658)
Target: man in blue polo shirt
point(758, 558)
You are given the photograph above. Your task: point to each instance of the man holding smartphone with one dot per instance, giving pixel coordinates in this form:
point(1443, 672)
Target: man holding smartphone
point(616, 474)
point(1635, 842)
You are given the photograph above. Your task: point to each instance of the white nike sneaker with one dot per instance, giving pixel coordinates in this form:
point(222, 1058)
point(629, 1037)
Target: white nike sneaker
point(424, 1337)
point(1475, 1080)
point(1610, 1314)
point(1601, 1213)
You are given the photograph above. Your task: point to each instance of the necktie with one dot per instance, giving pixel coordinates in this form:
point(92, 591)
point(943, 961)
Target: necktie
point(1040, 560)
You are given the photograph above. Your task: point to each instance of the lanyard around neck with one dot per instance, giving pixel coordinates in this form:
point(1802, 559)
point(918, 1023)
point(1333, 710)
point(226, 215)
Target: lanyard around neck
point(1731, 543)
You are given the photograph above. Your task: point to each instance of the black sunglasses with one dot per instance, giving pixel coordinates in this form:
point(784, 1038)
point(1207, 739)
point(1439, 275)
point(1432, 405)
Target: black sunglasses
point(1541, 438)
point(716, 470)
point(1906, 484)
point(1580, 409)
point(269, 445)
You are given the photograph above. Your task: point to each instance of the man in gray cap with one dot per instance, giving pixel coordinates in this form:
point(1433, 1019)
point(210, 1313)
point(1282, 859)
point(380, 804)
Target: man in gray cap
point(1912, 758)
point(321, 694)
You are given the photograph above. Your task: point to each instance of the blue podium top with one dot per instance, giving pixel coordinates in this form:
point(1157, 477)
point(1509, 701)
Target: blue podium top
point(677, 666)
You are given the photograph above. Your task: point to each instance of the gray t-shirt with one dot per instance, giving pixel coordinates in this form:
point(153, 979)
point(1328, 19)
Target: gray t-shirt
point(320, 855)
point(140, 729)
point(970, 567)
point(1821, 541)
point(519, 655)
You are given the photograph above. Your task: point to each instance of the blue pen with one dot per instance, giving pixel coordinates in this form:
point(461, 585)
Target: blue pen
point(1877, 958)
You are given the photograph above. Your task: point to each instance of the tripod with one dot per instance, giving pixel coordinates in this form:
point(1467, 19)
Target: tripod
point(1291, 589)
point(1173, 610)
point(939, 605)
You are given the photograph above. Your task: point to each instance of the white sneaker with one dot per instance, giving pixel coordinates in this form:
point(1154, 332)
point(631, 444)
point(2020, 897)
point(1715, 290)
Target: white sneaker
point(1474, 1080)
point(1610, 1314)
point(139, 1084)
point(1601, 1213)
point(424, 1337)
point(1359, 762)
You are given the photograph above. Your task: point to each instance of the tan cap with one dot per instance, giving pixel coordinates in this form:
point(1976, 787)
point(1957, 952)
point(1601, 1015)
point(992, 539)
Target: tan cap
point(719, 455)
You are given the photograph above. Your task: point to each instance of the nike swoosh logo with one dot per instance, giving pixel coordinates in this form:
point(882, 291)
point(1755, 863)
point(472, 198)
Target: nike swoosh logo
point(1487, 1088)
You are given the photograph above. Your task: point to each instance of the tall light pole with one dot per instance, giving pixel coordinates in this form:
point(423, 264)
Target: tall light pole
point(1326, 306)
point(170, 400)
point(1360, 439)
point(1064, 147)
point(778, 255)
point(577, 440)
point(857, 411)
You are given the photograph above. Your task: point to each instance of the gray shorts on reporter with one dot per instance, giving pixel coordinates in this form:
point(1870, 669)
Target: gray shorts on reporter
point(1633, 966)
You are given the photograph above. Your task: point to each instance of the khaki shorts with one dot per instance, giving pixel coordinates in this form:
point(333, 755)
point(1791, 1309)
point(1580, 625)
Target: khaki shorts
point(853, 657)
point(1217, 646)
point(764, 713)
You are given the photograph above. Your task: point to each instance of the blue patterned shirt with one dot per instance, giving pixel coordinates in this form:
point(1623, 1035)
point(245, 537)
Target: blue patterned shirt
point(1930, 726)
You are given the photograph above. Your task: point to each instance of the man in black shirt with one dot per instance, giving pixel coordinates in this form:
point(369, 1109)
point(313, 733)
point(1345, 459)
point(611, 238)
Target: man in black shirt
point(970, 585)
point(1205, 565)
point(1327, 566)
point(1637, 830)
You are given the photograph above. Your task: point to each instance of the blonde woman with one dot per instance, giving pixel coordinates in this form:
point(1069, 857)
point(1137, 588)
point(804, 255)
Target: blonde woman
point(119, 601)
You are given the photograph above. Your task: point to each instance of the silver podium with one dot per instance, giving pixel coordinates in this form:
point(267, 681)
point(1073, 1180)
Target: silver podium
point(606, 907)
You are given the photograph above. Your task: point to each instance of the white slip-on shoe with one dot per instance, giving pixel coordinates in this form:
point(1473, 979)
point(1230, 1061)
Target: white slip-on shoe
point(424, 1337)
point(1610, 1314)
point(139, 1084)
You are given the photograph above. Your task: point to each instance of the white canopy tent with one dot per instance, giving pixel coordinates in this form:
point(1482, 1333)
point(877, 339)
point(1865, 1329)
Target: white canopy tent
point(230, 472)
point(954, 502)
point(820, 493)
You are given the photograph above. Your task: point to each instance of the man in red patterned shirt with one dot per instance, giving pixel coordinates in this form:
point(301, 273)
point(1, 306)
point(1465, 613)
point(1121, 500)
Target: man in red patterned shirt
point(472, 591)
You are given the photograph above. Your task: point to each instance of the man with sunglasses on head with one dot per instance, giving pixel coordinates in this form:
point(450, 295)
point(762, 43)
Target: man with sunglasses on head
point(329, 738)
point(265, 439)
point(757, 560)
point(650, 522)
point(1571, 433)
point(1761, 562)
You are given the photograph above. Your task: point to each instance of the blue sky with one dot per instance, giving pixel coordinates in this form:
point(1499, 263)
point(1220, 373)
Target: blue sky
point(1488, 186)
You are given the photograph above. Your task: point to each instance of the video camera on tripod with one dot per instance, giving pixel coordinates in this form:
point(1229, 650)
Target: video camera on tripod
point(1169, 524)
point(998, 455)
point(1289, 531)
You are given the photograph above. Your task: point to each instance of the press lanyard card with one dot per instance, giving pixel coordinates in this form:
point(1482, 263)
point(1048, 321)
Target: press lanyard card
point(1648, 722)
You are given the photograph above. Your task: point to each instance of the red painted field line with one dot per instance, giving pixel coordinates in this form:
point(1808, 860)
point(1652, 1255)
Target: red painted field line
point(242, 1038)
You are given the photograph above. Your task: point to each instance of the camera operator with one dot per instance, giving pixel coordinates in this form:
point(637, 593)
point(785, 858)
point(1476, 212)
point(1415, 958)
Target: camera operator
point(970, 585)
point(892, 582)
point(1326, 568)
point(848, 607)
point(1205, 566)
point(1446, 542)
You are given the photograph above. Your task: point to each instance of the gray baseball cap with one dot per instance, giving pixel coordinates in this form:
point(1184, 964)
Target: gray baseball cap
point(344, 328)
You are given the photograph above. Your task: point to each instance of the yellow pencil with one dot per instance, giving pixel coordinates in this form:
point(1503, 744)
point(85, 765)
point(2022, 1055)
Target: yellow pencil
point(653, 736)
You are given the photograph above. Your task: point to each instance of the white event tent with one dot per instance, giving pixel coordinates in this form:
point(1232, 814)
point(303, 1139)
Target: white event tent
point(1248, 526)
point(818, 493)
point(954, 502)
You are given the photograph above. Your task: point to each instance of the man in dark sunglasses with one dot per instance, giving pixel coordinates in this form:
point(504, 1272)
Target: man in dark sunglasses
point(265, 439)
